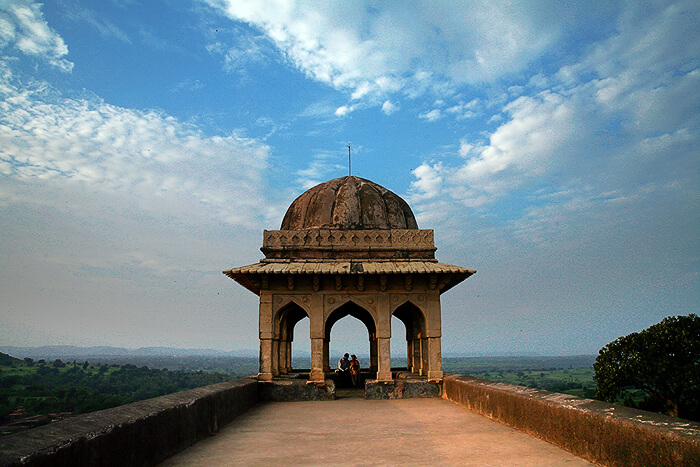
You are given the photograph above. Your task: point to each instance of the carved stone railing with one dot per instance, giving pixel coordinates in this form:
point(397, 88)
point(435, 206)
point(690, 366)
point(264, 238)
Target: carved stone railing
point(329, 243)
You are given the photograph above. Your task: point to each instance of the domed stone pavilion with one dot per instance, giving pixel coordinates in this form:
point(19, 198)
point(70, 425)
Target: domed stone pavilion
point(349, 247)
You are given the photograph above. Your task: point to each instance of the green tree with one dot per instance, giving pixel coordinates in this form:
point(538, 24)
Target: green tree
point(663, 361)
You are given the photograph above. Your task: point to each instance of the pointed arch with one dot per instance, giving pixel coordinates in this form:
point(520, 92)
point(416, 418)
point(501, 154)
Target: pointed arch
point(414, 320)
point(351, 308)
point(286, 319)
point(412, 317)
point(365, 316)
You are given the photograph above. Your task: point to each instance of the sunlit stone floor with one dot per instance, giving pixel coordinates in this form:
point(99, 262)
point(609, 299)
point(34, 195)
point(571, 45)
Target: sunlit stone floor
point(355, 431)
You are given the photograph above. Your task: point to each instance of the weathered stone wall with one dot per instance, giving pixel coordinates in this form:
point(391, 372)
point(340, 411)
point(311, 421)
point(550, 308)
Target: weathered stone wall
point(603, 433)
point(296, 390)
point(401, 389)
point(143, 433)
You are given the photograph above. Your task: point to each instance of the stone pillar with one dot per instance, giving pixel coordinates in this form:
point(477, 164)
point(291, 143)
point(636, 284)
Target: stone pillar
point(284, 347)
point(372, 353)
point(409, 353)
point(317, 375)
point(384, 338)
point(266, 335)
point(326, 355)
point(384, 359)
point(275, 363)
point(417, 358)
point(434, 359)
point(265, 360)
point(423, 356)
point(317, 335)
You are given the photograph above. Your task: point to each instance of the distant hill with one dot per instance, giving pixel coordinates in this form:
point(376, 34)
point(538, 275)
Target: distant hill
point(7, 360)
point(514, 363)
point(52, 352)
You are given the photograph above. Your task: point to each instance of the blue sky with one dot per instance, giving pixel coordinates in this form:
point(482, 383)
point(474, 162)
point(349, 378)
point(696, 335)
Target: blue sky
point(145, 145)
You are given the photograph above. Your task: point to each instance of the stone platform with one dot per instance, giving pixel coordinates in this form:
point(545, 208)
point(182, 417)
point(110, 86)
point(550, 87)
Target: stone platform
point(297, 387)
point(353, 431)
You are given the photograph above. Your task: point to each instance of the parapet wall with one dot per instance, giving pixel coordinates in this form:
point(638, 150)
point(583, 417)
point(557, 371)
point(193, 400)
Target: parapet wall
point(148, 432)
point(603, 433)
point(143, 433)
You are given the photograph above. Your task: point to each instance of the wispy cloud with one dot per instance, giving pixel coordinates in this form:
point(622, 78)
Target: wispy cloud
point(240, 50)
point(188, 85)
point(615, 115)
point(431, 115)
point(161, 162)
point(465, 110)
point(105, 27)
point(22, 25)
point(389, 107)
point(344, 110)
point(321, 165)
point(386, 49)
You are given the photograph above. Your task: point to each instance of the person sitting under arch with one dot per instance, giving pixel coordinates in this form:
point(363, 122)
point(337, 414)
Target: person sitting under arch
point(355, 371)
point(344, 370)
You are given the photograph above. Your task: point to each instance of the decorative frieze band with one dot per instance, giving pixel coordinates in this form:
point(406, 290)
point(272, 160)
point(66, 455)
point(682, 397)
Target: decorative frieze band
point(402, 239)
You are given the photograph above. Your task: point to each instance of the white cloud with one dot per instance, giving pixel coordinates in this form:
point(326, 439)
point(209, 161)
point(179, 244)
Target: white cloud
point(538, 127)
point(360, 48)
point(104, 27)
point(538, 81)
point(465, 110)
point(616, 109)
point(431, 116)
point(389, 107)
point(188, 85)
point(22, 23)
point(344, 110)
point(614, 128)
point(465, 148)
point(244, 51)
point(428, 184)
point(163, 164)
point(322, 164)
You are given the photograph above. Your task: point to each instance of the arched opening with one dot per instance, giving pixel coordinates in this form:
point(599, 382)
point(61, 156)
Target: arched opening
point(345, 342)
point(288, 318)
point(398, 343)
point(301, 349)
point(349, 335)
point(416, 356)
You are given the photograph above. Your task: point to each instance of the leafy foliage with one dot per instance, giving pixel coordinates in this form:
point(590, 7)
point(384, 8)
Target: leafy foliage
point(8, 360)
point(661, 364)
point(42, 388)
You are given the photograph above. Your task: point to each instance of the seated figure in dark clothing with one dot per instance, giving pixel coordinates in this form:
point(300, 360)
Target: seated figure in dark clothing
point(344, 370)
point(355, 371)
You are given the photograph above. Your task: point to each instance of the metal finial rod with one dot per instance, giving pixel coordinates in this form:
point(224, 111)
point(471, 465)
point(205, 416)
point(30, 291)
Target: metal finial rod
point(349, 162)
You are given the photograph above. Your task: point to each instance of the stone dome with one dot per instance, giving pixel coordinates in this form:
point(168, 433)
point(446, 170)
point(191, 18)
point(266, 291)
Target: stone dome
point(349, 203)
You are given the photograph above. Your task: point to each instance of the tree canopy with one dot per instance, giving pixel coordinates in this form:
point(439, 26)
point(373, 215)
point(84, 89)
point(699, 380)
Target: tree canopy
point(43, 388)
point(662, 361)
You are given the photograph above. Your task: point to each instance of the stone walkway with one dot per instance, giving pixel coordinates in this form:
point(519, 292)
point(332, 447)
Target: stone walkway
point(352, 431)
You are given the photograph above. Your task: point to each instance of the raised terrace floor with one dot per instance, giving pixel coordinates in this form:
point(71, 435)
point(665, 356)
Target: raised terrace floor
point(353, 431)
